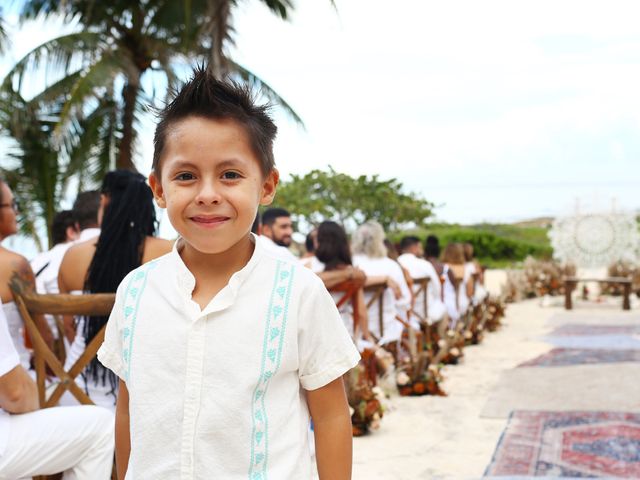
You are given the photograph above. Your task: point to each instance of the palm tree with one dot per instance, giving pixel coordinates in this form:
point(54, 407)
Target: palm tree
point(40, 166)
point(131, 47)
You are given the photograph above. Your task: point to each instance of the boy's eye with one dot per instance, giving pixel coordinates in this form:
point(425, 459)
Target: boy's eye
point(184, 176)
point(231, 175)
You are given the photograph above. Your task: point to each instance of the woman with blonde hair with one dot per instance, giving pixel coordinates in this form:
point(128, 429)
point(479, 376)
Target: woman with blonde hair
point(370, 255)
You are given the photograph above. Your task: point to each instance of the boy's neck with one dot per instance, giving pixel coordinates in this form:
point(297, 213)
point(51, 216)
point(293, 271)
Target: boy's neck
point(231, 260)
point(213, 271)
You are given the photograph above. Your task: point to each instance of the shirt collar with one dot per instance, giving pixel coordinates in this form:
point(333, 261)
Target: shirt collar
point(88, 234)
point(225, 297)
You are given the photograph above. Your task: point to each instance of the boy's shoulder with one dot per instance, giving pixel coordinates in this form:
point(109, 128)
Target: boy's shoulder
point(301, 275)
point(159, 266)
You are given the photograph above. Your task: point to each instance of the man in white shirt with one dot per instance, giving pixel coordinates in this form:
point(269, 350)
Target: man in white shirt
point(85, 209)
point(69, 228)
point(276, 232)
point(75, 440)
point(45, 266)
point(418, 267)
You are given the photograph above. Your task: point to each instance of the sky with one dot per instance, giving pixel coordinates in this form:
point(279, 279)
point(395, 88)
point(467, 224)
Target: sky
point(495, 110)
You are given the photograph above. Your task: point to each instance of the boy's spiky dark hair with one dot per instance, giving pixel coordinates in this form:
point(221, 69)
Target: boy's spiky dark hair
point(205, 96)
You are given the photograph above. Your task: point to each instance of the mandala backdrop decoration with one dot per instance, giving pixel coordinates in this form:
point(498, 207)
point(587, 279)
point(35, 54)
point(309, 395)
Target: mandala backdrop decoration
point(595, 239)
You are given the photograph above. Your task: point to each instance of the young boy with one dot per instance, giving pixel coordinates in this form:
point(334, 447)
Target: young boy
point(222, 348)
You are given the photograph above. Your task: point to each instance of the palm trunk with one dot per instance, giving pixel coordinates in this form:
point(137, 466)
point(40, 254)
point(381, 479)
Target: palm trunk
point(129, 96)
point(220, 18)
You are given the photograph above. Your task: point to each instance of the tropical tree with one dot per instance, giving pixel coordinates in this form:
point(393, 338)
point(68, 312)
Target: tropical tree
point(134, 49)
point(328, 195)
point(3, 35)
point(39, 166)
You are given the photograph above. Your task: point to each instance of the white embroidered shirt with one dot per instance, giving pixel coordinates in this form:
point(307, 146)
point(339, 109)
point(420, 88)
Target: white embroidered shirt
point(218, 393)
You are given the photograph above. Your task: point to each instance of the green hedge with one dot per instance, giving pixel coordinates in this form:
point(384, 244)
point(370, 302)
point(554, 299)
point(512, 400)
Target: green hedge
point(512, 245)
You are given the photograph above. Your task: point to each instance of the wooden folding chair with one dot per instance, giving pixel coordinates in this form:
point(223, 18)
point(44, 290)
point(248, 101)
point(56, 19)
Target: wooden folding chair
point(421, 308)
point(28, 304)
point(377, 295)
point(349, 289)
point(419, 358)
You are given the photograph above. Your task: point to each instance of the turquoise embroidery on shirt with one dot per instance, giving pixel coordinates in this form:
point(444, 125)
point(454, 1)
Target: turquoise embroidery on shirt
point(270, 363)
point(132, 297)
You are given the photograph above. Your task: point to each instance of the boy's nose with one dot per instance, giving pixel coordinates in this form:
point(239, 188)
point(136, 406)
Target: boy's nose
point(208, 195)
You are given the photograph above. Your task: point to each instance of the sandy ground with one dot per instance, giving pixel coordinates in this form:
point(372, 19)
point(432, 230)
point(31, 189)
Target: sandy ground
point(446, 437)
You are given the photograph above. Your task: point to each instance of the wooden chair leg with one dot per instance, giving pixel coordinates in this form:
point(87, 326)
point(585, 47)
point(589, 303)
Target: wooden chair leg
point(626, 303)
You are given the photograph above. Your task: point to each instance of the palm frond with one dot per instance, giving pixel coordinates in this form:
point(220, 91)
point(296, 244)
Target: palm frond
point(256, 82)
point(100, 74)
point(4, 39)
point(281, 8)
point(57, 54)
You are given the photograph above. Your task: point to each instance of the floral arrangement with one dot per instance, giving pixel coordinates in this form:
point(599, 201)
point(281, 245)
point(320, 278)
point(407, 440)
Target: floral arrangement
point(365, 398)
point(622, 269)
point(426, 382)
point(495, 312)
point(536, 279)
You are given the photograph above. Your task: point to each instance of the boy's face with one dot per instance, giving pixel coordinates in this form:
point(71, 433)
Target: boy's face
point(211, 183)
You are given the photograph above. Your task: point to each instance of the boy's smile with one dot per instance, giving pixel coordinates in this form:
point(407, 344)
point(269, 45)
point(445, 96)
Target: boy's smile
point(211, 183)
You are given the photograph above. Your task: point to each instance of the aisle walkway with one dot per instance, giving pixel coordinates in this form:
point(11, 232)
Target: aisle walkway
point(456, 437)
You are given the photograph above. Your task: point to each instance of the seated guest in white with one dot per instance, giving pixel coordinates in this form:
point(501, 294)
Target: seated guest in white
point(15, 265)
point(447, 280)
point(276, 232)
point(370, 255)
point(85, 210)
point(418, 267)
point(64, 232)
point(78, 440)
point(126, 241)
point(453, 257)
point(310, 244)
point(475, 270)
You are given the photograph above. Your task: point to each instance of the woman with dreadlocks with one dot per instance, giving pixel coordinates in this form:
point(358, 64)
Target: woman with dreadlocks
point(128, 223)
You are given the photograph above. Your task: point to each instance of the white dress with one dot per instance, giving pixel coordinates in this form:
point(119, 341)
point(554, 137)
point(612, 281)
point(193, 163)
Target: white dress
point(16, 330)
point(393, 307)
point(449, 294)
point(464, 302)
point(479, 292)
point(100, 394)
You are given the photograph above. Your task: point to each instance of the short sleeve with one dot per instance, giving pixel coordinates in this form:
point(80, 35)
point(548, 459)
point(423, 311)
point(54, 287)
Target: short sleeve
point(325, 348)
point(9, 358)
point(110, 353)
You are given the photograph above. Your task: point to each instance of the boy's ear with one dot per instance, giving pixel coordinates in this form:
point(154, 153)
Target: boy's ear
point(269, 187)
point(156, 188)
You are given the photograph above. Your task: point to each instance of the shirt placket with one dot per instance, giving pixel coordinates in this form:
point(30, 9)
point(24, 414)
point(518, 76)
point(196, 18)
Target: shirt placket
point(192, 395)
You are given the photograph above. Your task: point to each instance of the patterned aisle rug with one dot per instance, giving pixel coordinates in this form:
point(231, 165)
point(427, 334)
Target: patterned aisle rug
point(562, 357)
point(594, 330)
point(568, 444)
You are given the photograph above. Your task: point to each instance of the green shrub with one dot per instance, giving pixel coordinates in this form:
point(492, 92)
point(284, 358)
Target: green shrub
point(494, 245)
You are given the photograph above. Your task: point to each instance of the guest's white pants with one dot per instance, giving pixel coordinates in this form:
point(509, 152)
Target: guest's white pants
point(78, 441)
